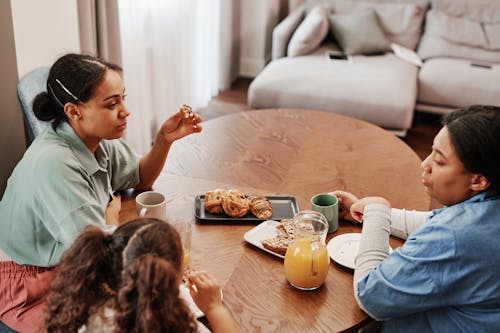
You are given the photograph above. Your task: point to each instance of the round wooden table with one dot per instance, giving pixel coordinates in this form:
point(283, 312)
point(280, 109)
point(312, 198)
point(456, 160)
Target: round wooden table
point(283, 152)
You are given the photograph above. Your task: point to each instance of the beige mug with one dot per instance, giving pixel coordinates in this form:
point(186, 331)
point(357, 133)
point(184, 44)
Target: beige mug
point(151, 204)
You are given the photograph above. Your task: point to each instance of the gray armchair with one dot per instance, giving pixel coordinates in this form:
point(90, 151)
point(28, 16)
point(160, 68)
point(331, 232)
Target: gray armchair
point(6, 329)
point(29, 86)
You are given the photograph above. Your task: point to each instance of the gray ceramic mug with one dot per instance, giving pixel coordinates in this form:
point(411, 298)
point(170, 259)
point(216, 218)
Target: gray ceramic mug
point(327, 204)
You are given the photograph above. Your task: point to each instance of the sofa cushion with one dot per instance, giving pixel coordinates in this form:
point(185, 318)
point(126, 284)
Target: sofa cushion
point(378, 89)
point(486, 11)
point(401, 22)
point(311, 32)
point(434, 46)
point(454, 82)
point(359, 32)
point(462, 29)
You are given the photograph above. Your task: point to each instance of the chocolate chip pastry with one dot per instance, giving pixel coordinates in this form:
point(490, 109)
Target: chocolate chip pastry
point(213, 201)
point(235, 203)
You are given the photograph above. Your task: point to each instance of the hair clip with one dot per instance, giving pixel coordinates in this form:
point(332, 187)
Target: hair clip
point(54, 95)
point(67, 90)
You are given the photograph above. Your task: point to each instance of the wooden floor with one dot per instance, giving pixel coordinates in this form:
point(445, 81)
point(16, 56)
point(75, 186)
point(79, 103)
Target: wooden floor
point(419, 137)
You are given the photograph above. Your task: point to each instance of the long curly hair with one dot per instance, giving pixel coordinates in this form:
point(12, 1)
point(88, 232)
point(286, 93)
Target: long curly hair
point(88, 276)
point(149, 299)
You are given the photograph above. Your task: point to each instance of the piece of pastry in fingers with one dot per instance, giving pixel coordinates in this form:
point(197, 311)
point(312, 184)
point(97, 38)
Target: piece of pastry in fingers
point(188, 111)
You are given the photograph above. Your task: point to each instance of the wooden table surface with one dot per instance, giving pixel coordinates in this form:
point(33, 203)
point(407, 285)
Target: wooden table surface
point(283, 152)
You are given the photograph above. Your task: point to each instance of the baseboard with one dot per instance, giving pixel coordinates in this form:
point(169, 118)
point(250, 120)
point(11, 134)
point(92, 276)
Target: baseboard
point(434, 108)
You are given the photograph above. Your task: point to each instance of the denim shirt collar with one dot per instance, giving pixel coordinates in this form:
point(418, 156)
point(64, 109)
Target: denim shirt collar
point(481, 196)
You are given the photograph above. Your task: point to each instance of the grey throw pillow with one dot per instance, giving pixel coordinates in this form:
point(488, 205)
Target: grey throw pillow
point(359, 32)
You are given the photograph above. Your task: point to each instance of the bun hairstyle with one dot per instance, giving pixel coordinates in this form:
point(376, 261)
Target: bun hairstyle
point(72, 78)
point(475, 135)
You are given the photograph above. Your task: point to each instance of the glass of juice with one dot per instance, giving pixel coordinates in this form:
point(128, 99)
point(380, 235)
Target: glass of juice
point(306, 259)
point(184, 229)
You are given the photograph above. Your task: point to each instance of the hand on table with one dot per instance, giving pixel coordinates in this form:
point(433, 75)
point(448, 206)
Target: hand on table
point(346, 200)
point(179, 126)
point(358, 208)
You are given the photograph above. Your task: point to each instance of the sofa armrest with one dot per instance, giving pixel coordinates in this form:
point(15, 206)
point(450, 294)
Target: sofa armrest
point(284, 31)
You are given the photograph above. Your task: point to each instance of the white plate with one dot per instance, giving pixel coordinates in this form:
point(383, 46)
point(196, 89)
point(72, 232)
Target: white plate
point(264, 230)
point(344, 248)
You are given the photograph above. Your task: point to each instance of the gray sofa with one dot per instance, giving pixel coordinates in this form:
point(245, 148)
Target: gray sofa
point(451, 37)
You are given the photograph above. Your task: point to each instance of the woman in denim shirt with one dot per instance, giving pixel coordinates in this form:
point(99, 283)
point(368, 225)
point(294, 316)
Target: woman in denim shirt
point(446, 277)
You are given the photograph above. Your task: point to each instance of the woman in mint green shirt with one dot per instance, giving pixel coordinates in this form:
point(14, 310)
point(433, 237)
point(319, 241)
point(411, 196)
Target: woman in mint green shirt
point(67, 178)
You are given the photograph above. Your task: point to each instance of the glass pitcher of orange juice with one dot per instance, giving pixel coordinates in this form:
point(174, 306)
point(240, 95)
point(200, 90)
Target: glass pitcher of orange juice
point(306, 259)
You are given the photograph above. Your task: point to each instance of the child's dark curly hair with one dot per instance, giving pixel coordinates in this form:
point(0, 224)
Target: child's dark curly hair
point(149, 298)
point(88, 278)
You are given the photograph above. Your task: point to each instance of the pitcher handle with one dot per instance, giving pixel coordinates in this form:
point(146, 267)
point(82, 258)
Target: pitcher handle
point(314, 264)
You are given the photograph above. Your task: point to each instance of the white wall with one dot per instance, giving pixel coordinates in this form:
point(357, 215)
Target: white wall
point(258, 18)
point(43, 30)
point(32, 33)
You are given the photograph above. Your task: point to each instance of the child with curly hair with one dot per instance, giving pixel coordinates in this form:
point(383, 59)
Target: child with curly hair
point(129, 282)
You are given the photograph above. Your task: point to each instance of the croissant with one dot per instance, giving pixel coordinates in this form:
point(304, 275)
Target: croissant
point(261, 207)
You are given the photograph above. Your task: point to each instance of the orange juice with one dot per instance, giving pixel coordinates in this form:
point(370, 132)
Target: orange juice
point(187, 257)
point(306, 268)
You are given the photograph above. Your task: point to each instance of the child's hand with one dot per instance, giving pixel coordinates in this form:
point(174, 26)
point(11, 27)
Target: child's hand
point(205, 291)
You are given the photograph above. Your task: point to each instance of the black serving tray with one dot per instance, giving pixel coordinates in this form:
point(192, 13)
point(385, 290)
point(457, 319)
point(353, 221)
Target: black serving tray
point(284, 207)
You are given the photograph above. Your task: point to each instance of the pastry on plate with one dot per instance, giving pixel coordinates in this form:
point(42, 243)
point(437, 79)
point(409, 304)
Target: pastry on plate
point(213, 201)
point(285, 236)
point(261, 207)
point(277, 244)
point(235, 203)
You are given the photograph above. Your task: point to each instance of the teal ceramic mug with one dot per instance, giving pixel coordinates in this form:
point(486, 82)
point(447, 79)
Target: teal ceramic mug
point(327, 204)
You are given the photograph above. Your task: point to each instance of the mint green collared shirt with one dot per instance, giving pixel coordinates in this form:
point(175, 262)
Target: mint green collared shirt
point(57, 189)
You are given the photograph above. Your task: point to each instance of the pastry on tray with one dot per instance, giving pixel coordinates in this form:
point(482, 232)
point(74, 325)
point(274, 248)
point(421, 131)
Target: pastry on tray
point(235, 203)
point(261, 207)
point(213, 201)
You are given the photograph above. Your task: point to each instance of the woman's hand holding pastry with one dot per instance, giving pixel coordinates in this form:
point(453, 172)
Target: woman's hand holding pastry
point(358, 208)
point(346, 200)
point(181, 124)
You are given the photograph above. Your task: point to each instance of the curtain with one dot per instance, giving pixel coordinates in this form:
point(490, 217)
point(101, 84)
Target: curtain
point(174, 52)
point(100, 29)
